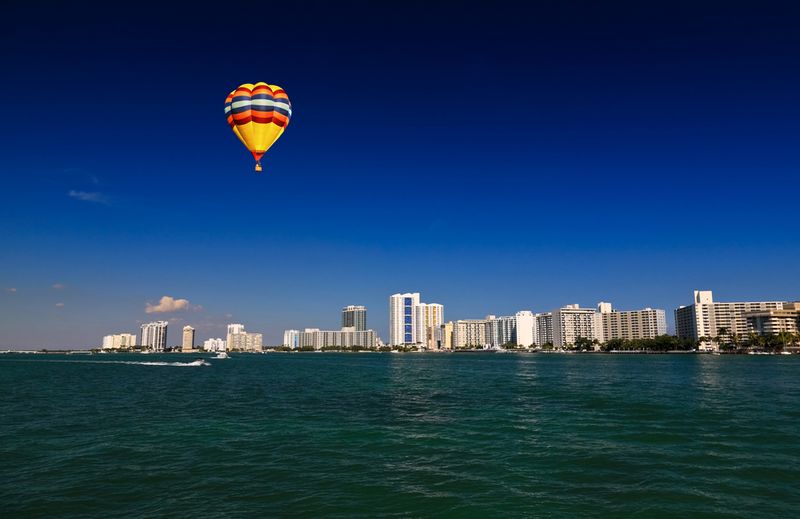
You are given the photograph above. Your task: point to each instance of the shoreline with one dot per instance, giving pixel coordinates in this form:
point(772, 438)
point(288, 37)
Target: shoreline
point(437, 352)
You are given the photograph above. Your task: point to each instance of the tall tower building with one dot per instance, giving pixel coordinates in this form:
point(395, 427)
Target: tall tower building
point(427, 317)
point(402, 329)
point(526, 328)
point(233, 329)
point(188, 339)
point(354, 317)
point(154, 336)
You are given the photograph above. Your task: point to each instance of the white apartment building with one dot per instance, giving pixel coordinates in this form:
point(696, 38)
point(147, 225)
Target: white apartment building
point(633, 324)
point(119, 340)
point(469, 332)
point(214, 345)
point(525, 323)
point(571, 322)
point(402, 328)
point(345, 338)
point(154, 336)
point(187, 344)
point(291, 339)
point(704, 317)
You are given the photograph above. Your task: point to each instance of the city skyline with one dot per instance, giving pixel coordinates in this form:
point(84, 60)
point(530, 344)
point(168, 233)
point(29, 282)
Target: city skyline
point(605, 320)
point(632, 153)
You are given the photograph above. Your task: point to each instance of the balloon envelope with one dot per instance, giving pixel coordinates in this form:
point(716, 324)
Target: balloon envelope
point(258, 114)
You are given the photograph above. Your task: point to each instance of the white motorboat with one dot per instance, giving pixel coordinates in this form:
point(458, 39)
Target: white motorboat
point(221, 355)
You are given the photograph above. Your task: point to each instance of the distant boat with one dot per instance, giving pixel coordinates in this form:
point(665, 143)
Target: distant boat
point(221, 355)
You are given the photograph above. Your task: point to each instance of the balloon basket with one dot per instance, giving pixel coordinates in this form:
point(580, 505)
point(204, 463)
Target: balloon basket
point(258, 168)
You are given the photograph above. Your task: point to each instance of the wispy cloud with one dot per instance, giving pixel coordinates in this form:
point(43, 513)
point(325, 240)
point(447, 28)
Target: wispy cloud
point(59, 286)
point(167, 304)
point(87, 196)
point(11, 289)
point(59, 305)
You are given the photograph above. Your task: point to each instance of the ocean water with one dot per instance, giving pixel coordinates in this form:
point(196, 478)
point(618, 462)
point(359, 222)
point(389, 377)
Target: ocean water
point(412, 435)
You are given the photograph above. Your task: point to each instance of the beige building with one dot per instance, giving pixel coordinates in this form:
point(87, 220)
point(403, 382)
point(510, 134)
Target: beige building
point(469, 333)
point(633, 324)
point(345, 338)
point(772, 322)
point(244, 341)
point(447, 336)
point(188, 339)
point(705, 318)
point(428, 317)
point(571, 322)
point(119, 340)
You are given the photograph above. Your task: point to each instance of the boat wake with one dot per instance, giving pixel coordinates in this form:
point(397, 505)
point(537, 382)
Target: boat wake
point(193, 364)
point(198, 362)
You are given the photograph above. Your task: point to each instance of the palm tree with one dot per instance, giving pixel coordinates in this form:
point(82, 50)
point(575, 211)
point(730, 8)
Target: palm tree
point(735, 340)
point(753, 340)
point(784, 338)
point(722, 334)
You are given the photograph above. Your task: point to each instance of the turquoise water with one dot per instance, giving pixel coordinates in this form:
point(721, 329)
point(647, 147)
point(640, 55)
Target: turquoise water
point(367, 435)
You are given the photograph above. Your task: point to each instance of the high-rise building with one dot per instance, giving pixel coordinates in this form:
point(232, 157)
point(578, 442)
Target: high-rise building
point(232, 329)
point(188, 339)
point(773, 322)
point(705, 318)
point(291, 339)
point(634, 324)
point(402, 328)
point(214, 344)
point(500, 330)
point(354, 317)
point(154, 336)
point(544, 328)
point(571, 322)
point(344, 338)
point(447, 336)
point(525, 323)
point(244, 341)
point(427, 318)
point(469, 333)
point(119, 340)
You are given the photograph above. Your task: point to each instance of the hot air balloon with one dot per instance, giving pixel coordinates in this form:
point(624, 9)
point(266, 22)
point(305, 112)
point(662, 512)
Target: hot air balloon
point(258, 114)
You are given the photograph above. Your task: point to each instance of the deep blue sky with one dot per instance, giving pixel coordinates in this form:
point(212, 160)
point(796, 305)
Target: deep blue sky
point(492, 157)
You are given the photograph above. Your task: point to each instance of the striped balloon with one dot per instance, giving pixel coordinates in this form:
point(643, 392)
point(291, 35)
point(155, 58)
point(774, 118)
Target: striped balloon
point(258, 114)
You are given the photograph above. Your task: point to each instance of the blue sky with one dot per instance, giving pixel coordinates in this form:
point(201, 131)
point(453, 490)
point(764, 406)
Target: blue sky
point(493, 158)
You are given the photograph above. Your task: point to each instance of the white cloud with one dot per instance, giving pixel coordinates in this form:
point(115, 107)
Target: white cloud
point(59, 305)
point(11, 289)
point(87, 196)
point(59, 286)
point(167, 304)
